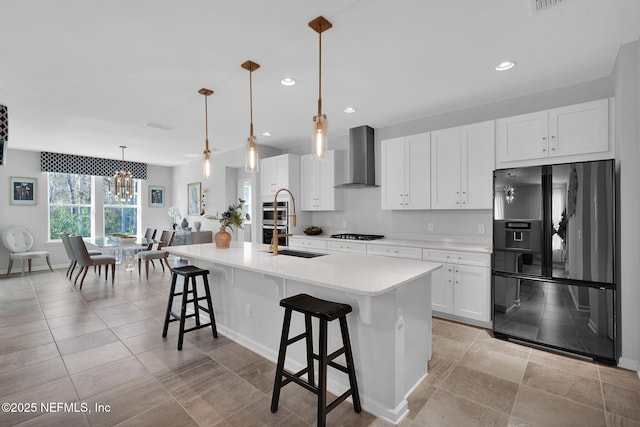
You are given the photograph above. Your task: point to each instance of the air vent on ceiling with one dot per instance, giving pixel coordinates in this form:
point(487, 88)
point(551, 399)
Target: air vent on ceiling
point(538, 5)
point(158, 125)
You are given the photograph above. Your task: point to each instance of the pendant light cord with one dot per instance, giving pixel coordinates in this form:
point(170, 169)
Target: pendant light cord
point(251, 105)
point(319, 75)
point(206, 124)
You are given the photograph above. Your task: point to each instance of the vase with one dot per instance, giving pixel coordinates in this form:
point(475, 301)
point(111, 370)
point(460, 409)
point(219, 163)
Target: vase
point(223, 238)
point(197, 225)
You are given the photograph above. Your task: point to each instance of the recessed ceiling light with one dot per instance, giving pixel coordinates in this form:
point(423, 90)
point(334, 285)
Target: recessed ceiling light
point(349, 110)
point(287, 81)
point(505, 65)
point(266, 133)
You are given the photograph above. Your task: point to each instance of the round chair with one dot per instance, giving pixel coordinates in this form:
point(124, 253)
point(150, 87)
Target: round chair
point(19, 242)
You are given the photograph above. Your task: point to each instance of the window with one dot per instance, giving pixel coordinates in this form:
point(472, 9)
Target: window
point(70, 204)
point(74, 201)
point(120, 216)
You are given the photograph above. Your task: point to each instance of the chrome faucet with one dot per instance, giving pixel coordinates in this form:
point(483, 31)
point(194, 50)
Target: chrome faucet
point(274, 240)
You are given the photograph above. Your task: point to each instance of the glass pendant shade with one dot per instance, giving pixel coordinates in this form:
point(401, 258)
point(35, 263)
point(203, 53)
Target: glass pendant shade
point(320, 128)
point(206, 164)
point(252, 164)
point(206, 160)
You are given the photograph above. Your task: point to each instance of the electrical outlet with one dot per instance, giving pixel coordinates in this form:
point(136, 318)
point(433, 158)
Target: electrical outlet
point(430, 226)
point(247, 310)
point(481, 229)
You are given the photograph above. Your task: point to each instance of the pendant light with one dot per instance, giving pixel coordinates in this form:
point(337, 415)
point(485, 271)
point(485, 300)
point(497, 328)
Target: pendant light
point(206, 164)
point(252, 151)
point(320, 123)
point(123, 181)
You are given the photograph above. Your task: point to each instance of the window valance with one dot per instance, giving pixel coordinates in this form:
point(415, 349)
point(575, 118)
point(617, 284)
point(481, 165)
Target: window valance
point(81, 165)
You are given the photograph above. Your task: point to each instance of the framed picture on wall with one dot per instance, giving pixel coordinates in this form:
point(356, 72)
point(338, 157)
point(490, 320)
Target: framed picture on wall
point(23, 191)
point(156, 196)
point(194, 196)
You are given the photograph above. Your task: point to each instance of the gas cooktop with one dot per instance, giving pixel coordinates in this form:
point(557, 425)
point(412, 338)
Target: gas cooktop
point(353, 236)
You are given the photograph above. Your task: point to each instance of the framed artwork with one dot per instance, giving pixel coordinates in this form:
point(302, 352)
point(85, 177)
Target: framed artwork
point(156, 196)
point(194, 196)
point(23, 191)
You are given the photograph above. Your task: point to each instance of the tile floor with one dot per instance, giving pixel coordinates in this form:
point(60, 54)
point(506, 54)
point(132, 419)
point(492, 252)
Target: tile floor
point(103, 346)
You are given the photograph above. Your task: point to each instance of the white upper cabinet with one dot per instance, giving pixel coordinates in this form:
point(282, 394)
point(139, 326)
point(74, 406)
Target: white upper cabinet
point(318, 179)
point(577, 130)
point(462, 163)
point(405, 172)
point(280, 172)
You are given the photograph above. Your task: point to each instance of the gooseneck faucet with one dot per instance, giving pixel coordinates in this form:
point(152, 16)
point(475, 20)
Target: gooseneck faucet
point(274, 240)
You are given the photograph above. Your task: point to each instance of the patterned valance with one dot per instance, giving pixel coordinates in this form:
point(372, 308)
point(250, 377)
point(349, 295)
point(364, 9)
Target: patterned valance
point(81, 165)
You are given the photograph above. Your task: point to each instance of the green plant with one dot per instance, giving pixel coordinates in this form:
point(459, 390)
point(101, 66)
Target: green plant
point(232, 217)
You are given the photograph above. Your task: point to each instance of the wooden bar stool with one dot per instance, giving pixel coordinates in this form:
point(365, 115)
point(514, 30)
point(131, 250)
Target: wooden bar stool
point(189, 272)
point(324, 311)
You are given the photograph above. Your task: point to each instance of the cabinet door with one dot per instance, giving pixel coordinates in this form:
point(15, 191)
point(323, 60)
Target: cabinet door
point(445, 169)
point(308, 183)
point(477, 163)
point(579, 129)
point(442, 289)
point(267, 176)
point(472, 292)
point(325, 192)
point(393, 173)
point(522, 137)
point(282, 172)
point(417, 182)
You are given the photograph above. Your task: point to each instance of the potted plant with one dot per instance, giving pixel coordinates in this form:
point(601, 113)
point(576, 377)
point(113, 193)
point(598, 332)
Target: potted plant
point(231, 218)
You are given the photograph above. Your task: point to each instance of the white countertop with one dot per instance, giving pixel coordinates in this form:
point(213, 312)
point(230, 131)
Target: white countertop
point(444, 244)
point(352, 273)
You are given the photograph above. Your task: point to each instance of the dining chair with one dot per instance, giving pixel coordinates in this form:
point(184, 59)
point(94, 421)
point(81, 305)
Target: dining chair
point(166, 239)
point(64, 236)
point(19, 241)
point(84, 260)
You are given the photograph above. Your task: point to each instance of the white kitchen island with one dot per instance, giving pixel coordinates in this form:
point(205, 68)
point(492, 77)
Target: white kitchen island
point(390, 326)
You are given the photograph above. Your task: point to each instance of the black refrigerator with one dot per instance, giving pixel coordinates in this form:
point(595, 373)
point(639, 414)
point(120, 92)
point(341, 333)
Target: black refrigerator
point(554, 257)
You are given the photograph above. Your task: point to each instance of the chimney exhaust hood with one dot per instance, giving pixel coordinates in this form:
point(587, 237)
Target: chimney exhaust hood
point(361, 158)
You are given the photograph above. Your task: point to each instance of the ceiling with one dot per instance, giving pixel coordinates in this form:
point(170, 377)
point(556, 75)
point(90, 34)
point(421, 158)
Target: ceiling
point(85, 77)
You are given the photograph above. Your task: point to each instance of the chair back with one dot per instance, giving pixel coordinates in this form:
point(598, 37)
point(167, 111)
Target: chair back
point(150, 233)
point(17, 239)
point(67, 245)
point(166, 239)
point(80, 251)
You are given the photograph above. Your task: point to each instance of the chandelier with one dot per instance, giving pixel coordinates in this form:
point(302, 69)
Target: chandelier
point(206, 164)
point(123, 181)
point(320, 125)
point(252, 152)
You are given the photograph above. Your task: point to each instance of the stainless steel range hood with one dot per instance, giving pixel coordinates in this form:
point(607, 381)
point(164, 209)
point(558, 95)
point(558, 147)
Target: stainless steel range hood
point(361, 158)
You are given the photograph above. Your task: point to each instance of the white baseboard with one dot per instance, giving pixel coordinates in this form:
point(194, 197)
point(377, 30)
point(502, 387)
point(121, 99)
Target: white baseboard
point(630, 364)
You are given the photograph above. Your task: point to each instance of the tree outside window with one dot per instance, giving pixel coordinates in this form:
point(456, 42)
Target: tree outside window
point(70, 204)
point(120, 216)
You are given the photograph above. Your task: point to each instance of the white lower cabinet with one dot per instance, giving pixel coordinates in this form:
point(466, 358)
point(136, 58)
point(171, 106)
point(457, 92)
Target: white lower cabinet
point(395, 251)
point(462, 287)
point(347, 246)
point(308, 244)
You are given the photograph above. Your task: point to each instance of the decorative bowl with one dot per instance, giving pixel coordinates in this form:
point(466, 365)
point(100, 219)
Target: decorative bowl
point(128, 239)
point(312, 231)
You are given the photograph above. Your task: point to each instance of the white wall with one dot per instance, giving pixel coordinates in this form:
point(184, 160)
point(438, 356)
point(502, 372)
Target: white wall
point(35, 218)
point(627, 125)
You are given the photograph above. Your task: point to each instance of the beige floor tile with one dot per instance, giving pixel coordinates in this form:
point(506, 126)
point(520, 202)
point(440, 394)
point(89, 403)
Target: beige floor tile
point(137, 328)
point(167, 414)
point(586, 368)
point(622, 401)
point(619, 376)
point(107, 376)
point(19, 380)
point(234, 356)
point(260, 374)
point(86, 341)
point(565, 384)
point(94, 357)
point(538, 408)
point(79, 328)
point(29, 356)
point(448, 410)
point(456, 331)
point(58, 419)
point(438, 369)
point(419, 398)
point(614, 420)
point(73, 319)
point(258, 413)
point(447, 348)
point(481, 388)
point(499, 364)
point(488, 342)
point(166, 359)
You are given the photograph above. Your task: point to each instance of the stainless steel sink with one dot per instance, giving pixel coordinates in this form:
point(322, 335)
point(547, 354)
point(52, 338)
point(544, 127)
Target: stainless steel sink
point(299, 254)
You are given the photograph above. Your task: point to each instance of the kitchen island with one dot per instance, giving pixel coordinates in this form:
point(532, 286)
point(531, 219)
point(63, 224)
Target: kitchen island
point(390, 325)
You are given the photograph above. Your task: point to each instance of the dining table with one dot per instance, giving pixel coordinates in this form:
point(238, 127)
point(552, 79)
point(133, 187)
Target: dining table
point(124, 251)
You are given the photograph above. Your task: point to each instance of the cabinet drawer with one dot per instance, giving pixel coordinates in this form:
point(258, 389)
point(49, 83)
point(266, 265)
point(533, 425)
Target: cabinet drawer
point(395, 251)
point(351, 247)
point(456, 257)
point(309, 244)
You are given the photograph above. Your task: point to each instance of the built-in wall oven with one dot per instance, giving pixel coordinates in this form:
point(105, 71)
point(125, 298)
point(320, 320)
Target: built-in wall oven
point(278, 213)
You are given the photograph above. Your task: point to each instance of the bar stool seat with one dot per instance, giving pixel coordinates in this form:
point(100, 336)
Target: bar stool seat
point(325, 311)
point(189, 272)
